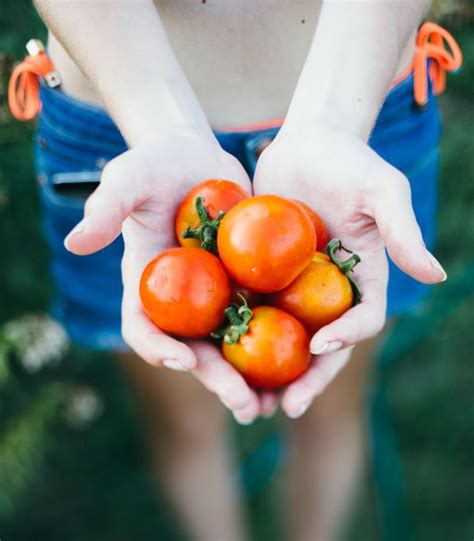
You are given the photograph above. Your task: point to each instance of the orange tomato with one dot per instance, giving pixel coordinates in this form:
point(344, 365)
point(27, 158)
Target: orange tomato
point(185, 291)
point(320, 294)
point(217, 196)
point(322, 234)
point(270, 348)
point(265, 242)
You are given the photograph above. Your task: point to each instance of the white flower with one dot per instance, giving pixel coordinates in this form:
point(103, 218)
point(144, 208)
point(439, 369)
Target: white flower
point(84, 405)
point(38, 340)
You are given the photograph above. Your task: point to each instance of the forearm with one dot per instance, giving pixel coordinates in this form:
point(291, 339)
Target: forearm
point(353, 59)
point(123, 50)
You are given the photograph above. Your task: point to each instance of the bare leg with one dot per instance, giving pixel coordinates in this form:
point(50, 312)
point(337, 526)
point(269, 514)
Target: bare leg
point(329, 453)
point(190, 454)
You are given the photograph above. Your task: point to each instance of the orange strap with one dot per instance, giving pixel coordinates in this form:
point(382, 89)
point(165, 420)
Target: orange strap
point(23, 87)
point(432, 43)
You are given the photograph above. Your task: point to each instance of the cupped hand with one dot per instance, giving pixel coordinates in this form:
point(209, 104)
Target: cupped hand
point(366, 203)
point(138, 195)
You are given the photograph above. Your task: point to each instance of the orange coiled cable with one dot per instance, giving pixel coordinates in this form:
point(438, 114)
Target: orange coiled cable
point(23, 87)
point(431, 44)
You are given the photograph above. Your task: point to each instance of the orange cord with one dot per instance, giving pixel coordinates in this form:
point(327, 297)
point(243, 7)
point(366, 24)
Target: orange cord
point(23, 87)
point(431, 44)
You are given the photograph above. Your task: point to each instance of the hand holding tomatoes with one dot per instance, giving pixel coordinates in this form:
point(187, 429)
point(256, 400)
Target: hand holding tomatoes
point(266, 245)
point(139, 193)
point(366, 203)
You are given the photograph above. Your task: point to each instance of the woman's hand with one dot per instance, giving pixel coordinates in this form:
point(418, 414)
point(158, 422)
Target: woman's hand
point(138, 196)
point(366, 203)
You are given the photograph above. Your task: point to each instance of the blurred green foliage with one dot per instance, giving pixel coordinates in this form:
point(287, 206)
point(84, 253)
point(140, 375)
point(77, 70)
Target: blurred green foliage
point(84, 481)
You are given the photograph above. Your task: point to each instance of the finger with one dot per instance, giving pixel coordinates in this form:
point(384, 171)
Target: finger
point(400, 231)
point(154, 346)
point(219, 377)
point(300, 394)
point(268, 404)
point(110, 204)
point(364, 321)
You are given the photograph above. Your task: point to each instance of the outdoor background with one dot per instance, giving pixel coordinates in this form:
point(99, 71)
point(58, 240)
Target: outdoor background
point(72, 461)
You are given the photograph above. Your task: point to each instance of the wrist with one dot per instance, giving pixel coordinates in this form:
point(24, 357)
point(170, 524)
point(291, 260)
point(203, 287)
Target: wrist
point(185, 131)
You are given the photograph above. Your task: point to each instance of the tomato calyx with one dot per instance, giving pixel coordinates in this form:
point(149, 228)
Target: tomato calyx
point(346, 266)
point(206, 233)
point(239, 318)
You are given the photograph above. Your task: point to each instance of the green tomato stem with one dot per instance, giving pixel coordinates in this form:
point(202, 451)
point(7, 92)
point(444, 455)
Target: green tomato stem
point(346, 267)
point(239, 318)
point(206, 233)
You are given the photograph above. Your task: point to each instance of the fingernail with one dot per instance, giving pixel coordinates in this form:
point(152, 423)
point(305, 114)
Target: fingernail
point(243, 422)
point(174, 365)
point(437, 266)
point(298, 413)
point(328, 347)
point(76, 231)
point(319, 349)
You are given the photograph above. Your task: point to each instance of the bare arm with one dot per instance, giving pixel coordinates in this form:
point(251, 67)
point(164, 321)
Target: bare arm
point(354, 56)
point(364, 200)
point(123, 50)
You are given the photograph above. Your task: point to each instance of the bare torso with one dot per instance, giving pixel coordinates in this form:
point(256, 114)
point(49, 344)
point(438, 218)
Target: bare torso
point(242, 58)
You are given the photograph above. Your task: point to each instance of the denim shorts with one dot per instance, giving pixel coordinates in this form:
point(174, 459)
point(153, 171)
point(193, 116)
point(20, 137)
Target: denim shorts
point(75, 139)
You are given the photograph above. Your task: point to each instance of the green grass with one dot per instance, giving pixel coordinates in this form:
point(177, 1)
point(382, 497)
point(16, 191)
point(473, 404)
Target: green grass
point(91, 483)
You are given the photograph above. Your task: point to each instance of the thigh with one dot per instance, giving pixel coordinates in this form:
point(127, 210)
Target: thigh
point(174, 403)
point(343, 402)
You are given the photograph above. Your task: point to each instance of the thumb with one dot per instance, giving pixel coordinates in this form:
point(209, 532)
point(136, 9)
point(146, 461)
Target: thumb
point(106, 209)
point(400, 231)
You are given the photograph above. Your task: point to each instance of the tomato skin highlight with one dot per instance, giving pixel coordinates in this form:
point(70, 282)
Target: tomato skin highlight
point(274, 351)
point(218, 195)
point(184, 291)
point(322, 235)
point(318, 296)
point(264, 242)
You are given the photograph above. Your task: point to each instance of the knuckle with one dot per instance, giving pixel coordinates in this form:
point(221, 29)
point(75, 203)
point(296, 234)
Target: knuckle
point(91, 203)
point(399, 182)
point(127, 336)
point(375, 325)
point(110, 171)
point(234, 400)
point(379, 324)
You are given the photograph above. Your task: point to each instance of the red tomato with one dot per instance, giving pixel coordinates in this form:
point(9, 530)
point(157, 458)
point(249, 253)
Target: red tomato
point(217, 196)
point(273, 352)
point(265, 242)
point(185, 291)
point(322, 234)
point(321, 293)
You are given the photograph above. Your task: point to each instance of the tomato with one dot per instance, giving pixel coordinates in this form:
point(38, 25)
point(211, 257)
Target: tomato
point(265, 242)
point(269, 347)
point(321, 293)
point(185, 291)
point(322, 234)
point(217, 196)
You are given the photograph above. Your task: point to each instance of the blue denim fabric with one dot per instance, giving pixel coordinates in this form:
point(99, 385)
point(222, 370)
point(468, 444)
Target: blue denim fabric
point(74, 137)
